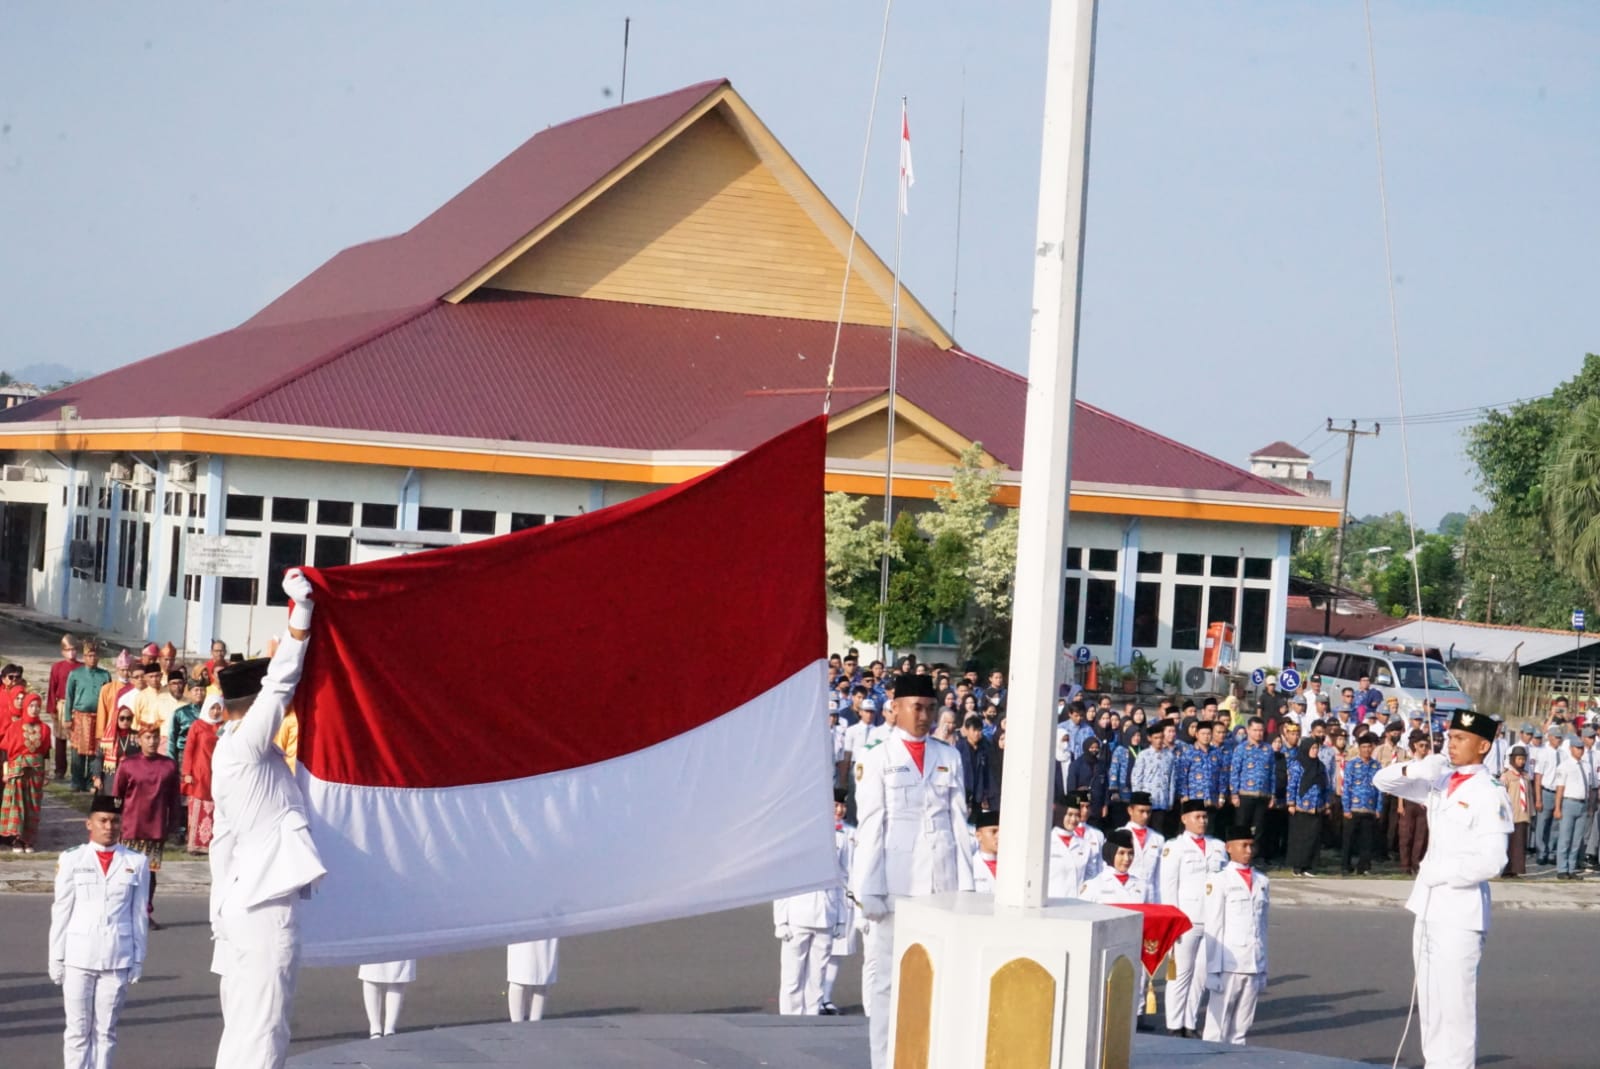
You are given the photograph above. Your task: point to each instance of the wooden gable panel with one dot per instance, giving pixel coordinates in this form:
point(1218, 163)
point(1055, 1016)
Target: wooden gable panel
point(702, 224)
point(867, 439)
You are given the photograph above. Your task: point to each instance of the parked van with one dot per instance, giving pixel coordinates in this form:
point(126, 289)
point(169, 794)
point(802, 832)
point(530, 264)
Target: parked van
point(1397, 671)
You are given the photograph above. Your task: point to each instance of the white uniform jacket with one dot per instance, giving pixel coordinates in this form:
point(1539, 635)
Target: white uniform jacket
point(1235, 922)
point(98, 920)
point(821, 910)
point(262, 846)
point(1186, 868)
point(911, 826)
point(1073, 859)
point(982, 878)
point(1147, 856)
point(1107, 889)
point(1467, 833)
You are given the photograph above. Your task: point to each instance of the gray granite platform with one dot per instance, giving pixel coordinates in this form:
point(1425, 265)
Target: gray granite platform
point(710, 1041)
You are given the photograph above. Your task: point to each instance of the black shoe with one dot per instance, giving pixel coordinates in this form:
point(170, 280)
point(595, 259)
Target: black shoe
point(155, 925)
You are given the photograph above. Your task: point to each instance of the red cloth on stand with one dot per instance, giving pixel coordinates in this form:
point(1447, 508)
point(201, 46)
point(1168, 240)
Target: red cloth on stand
point(1163, 927)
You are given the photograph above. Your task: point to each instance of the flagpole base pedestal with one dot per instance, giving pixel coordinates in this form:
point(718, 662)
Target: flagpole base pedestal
point(980, 988)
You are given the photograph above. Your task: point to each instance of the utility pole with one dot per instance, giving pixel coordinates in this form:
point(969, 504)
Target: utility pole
point(1351, 434)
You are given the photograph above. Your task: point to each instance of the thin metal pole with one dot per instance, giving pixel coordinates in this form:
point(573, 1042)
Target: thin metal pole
point(961, 170)
point(888, 463)
point(622, 94)
point(1037, 657)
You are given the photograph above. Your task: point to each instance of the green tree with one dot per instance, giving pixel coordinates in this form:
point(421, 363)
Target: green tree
point(1571, 496)
point(1510, 573)
point(1394, 586)
point(852, 548)
point(987, 539)
point(1510, 448)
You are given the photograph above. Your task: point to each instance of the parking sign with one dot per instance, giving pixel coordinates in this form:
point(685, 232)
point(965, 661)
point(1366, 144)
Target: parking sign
point(1288, 681)
point(1577, 619)
point(1258, 677)
point(1083, 655)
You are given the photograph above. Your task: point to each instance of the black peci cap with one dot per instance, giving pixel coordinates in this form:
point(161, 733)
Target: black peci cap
point(242, 680)
point(1480, 724)
point(909, 686)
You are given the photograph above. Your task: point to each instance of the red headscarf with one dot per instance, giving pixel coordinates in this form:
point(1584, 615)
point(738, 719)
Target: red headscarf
point(16, 742)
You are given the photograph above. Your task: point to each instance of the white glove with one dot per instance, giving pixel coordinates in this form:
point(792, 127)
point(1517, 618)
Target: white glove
point(784, 932)
point(874, 907)
point(58, 972)
point(1429, 874)
point(298, 587)
point(1261, 982)
point(1214, 981)
point(134, 974)
point(1429, 768)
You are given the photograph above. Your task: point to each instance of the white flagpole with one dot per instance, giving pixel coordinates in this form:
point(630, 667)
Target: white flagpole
point(894, 377)
point(1028, 789)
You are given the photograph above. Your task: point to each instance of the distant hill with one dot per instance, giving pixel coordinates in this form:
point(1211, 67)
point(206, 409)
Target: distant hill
point(45, 375)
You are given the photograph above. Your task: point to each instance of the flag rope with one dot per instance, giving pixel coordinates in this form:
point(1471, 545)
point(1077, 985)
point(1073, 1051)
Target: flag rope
point(855, 215)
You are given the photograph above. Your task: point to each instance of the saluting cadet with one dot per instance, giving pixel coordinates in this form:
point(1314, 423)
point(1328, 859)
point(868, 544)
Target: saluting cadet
point(1250, 779)
point(1147, 842)
point(383, 991)
point(98, 932)
point(1469, 820)
point(845, 944)
point(910, 839)
point(806, 926)
point(986, 861)
point(530, 970)
point(262, 856)
point(1074, 857)
point(1187, 862)
point(1362, 804)
point(1235, 940)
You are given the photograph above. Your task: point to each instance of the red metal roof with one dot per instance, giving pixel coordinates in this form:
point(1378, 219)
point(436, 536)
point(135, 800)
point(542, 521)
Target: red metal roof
point(512, 199)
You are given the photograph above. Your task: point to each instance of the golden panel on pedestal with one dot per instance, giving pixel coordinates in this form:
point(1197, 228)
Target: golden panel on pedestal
point(913, 1017)
point(1022, 1014)
point(1116, 1041)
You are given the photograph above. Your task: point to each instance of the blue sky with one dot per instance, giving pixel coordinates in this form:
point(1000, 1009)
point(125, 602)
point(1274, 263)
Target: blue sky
point(167, 169)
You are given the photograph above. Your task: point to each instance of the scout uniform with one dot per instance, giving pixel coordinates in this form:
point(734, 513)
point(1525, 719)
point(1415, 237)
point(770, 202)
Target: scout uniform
point(1187, 864)
point(1235, 942)
point(262, 856)
point(911, 839)
point(1469, 820)
point(98, 932)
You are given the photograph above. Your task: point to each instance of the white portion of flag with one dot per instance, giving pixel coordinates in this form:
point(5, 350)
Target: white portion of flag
point(736, 811)
point(908, 177)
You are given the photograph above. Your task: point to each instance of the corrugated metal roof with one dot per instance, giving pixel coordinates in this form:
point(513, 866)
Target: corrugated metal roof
point(1485, 642)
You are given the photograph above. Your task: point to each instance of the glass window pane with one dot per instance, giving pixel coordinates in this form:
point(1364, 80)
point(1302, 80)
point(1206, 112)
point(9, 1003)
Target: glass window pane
point(1069, 612)
point(290, 510)
point(1191, 564)
point(1150, 563)
point(477, 521)
point(1253, 621)
point(1225, 567)
point(331, 551)
point(373, 515)
point(435, 519)
point(1219, 605)
point(1186, 616)
point(335, 513)
point(1258, 567)
point(523, 520)
point(284, 551)
point(1074, 559)
point(1146, 614)
point(1099, 611)
point(1102, 560)
point(245, 506)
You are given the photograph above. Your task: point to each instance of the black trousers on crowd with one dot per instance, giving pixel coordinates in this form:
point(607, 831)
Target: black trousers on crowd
point(1360, 839)
point(1251, 812)
point(1305, 833)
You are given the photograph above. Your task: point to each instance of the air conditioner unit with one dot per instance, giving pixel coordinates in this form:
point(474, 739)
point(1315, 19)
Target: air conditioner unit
point(1199, 680)
point(181, 471)
point(143, 476)
point(119, 472)
point(14, 473)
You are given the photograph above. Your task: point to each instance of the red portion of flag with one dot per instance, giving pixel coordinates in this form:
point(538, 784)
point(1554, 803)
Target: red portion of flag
point(573, 643)
point(1163, 927)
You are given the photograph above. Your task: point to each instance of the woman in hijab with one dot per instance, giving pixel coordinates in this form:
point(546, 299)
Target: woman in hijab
point(1119, 780)
point(1089, 772)
point(28, 747)
point(196, 774)
point(1307, 795)
point(118, 741)
point(1138, 717)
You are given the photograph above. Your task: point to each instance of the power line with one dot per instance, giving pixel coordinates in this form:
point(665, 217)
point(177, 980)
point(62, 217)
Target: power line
point(1452, 415)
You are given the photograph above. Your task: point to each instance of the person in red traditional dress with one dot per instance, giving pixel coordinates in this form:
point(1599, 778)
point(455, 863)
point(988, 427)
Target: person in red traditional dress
point(147, 783)
point(197, 752)
point(28, 748)
point(56, 713)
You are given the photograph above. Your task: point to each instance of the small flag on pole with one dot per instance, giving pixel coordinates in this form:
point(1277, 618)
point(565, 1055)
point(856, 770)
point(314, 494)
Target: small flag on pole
point(907, 177)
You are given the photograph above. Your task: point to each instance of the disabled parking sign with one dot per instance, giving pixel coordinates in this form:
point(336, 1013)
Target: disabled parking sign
point(1258, 677)
point(1288, 680)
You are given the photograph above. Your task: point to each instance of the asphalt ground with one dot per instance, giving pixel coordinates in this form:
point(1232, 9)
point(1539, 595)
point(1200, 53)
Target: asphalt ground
point(1340, 986)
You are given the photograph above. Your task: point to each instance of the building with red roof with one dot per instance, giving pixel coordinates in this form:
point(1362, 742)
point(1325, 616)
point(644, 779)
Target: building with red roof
point(625, 300)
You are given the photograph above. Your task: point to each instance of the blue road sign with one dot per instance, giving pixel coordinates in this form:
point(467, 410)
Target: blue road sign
point(1083, 655)
point(1258, 677)
point(1288, 681)
point(1577, 619)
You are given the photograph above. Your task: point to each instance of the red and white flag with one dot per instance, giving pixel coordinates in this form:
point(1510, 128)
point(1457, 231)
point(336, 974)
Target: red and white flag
point(603, 722)
point(908, 178)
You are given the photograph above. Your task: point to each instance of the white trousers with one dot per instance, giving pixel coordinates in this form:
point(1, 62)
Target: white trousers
point(1446, 960)
point(1185, 990)
point(1231, 1011)
point(93, 998)
point(258, 954)
point(877, 980)
point(382, 1002)
point(802, 959)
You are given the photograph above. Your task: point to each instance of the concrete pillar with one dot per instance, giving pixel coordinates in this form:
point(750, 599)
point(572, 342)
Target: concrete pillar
point(1278, 609)
point(161, 535)
point(63, 563)
point(1125, 591)
point(113, 549)
point(410, 499)
point(215, 488)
